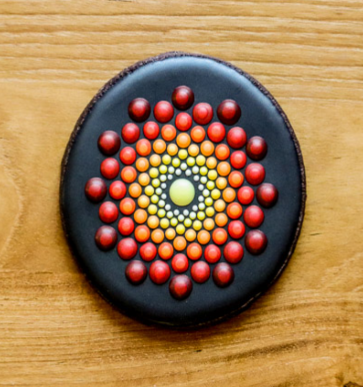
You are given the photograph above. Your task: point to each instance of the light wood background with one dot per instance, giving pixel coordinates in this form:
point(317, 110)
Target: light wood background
point(54, 329)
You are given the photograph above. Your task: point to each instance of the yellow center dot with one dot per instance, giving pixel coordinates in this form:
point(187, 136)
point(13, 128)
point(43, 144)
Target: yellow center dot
point(180, 229)
point(142, 164)
point(211, 185)
point(180, 243)
point(144, 179)
point(208, 201)
point(201, 215)
point(209, 224)
point(175, 162)
point(155, 160)
point(183, 140)
point(143, 201)
point(166, 159)
point(159, 146)
point(182, 154)
point(203, 171)
point(229, 194)
point(135, 190)
point(200, 160)
point(187, 222)
point(191, 161)
point(163, 169)
point(193, 150)
point(190, 235)
point(207, 148)
point(164, 223)
point(224, 168)
point(152, 209)
point(153, 222)
point(172, 149)
point(212, 175)
point(216, 194)
point(173, 222)
point(220, 205)
point(161, 213)
point(149, 190)
point(154, 199)
point(170, 233)
point(153, 173)
point(197, 225)
point(211, 162)
point(210, 212)
point(155, 183)
point(221, 183)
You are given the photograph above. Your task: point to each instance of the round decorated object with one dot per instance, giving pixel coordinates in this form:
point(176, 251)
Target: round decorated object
point(182, 190)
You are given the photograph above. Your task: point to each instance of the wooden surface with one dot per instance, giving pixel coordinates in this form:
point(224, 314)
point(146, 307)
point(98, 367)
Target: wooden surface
point(54, 329)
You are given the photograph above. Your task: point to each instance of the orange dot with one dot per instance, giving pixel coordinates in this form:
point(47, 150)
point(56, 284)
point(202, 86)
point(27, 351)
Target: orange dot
point(211, 162)
point(235, 179)
point(157, 235)
point(229, 194)
point(140, 216)
point(234, 210)
point(142, 233)
point(222, 152)
point(221, 219)
point(144, 179)
point(143, 201)
point(127, 206)
point(142, 164)
point(203, 237)
point(170, 233)
point(143, 147)
point(207, 148)
point(128, 174)
point(168, 132)
point(155, 160)
point(193, 150)
point(219, 236)
point(159, 146)
point(221, 183)
point(219, 205)
point(153, 221)
point(183, 140)
point(180, 243)
point(208, 224)
point(190, 235)
point(135, 190)
point(194, 251)
point(165, 250)
point(172, 149)
point(198, 134)
point(224, 168)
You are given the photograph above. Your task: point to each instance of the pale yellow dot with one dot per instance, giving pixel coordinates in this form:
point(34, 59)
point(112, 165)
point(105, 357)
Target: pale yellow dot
point(197, 225)
point(203, 171)
point(163, 169)
point(211, 162)
point(155, 183)
point(164, 223)
point(211, 185)
point(154, 199)
point(172, 149)
point(182, 154)
point(149, 190)
point(221, 183)
point(155, 160)
point(210, 212)
point(187, 222)
point(153, 172)
point(175, 162)
point(161, 213)
point(193, 150)
point(173, 222)
point(209, 224)
point(191, 161)
point(166, 159)
point(143, 201)
point(190, 235)
point(180, 229)
point(170, 233)
point(216, 194)
point(201, 215)
point(144, 179)
point(220, 205)
point(212, 175)
point(152, 209)
point(200, 160)
point(153, 222)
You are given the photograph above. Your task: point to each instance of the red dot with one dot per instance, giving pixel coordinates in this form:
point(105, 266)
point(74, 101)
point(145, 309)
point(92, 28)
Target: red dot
point(95, 189)
point(236, 229)
point(234, 210)
point(212, 254)
point(245, 195)
point(139, 109)
point(233, 252)
point(223, 274)
point(180, 287)
point(183, 97)
point(128, 155)
point(238, 159)
point(256, 242)
point(109, 142)
point(110, 168)
point(219, 236)
point(142, 233)
point(166, 251)
point(148, 251)
point(143, 147)
point(194, 251)
point(117, 190)
point(216, 132)
point(126, 226)
point(202, 113)
point(229, 112)
point(159, 272)
point(180, 263)
point(236, 137)
point(200, 272)
point(130, 133)
point(151, 130)
point(106, 238)
point(255, 173)
point(267, 194)
point(163, 111)
point(136, 272)
point(256, 148)
point(127, 248)
point(253, 216)
point(183, 121)
point(108, 212)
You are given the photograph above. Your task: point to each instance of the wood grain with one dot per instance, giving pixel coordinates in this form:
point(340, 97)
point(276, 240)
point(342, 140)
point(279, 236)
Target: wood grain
point(54, 329)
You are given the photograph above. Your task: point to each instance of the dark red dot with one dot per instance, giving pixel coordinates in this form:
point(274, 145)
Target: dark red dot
point(108, 212)
point(255, 173)
point(110, 168)
point(163, 111)
point(212, 253)
point(127, 248)
point(126, 226)
point(267, 194)
point(236, 137)
point(253, 216)
point(95, 189)
point(238, 159)
point(117, 190)
point(159, 272)
point(128, 155)
point(109, 142)
point(233, 252)
point(229, 112)
point(236, 229)
point(148, 251)
point(223, 274)
point(183, 121)
point(200, 272)
point(256, 148)
point(139, 109)
point(180, 263)
point(136, 272)
point(256, 242)
point(216, 132)
point(151, 130)
point(130, 133)
point(245, 195)
point(180, 287)
point(202, 113)
point(183, 97)
point(106, 238)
